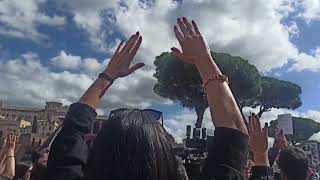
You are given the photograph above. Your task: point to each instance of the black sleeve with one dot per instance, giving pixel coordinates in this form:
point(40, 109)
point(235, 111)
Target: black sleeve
point(69, 151)
point(261, 173)
point(227, 155)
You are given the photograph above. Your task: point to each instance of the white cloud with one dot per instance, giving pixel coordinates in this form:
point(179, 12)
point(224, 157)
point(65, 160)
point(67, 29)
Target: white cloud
point(20, 19)
point(309, 62)
point(90, 66)
point(311, 10)
point(66, 61)
point(93, 18)
point(251, 29)
point(176, 124)
point(29, 82)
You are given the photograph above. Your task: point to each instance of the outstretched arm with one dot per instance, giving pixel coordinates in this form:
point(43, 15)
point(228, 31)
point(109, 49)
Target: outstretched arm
point(3, 155)
point(229, 148)
point(259, 144)
point(69, 151)
point(9, 169)
point(119, 66)
point(195, 50)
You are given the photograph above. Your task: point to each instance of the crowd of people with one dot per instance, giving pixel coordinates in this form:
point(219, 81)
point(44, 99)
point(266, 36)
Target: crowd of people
point(132, 145)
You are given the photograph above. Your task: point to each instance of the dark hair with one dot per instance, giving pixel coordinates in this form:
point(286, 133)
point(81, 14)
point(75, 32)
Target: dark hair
point(132, 145)
point(20, 171)
point(34, 156)
point(38, 172)
point(293, 162)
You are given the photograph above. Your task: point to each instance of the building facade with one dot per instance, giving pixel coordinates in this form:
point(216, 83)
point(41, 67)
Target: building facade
point(38, 121)
point(312, 150)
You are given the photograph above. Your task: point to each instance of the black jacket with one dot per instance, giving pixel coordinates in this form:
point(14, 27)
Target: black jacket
point(69, 151)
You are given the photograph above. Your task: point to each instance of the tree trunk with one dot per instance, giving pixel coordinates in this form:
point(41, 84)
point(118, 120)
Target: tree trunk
point(200, 112)
point(261, 111)
point(243, 117)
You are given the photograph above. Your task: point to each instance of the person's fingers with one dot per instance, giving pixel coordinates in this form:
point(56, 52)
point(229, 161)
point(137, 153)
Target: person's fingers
point(135, 48)
point(281, 135)
point(11, 137)
point(265, 130)
point(254, 122)
point(135, 67)
point(188, 25)
point(258, 125)
point(120, 46)
point(178, 34)
point(195, 27)
point(180, 55)
point(183, 27)
point(250, 128)
point(130, 43)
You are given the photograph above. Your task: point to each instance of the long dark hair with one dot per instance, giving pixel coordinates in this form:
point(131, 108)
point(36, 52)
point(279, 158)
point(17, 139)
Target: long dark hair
point(132, 145)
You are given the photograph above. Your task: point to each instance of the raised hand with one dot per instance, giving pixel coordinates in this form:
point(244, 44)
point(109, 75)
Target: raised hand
point(11, 141)
point(258, 140)
point(280, 142)
point(191, 41)
point(120, 63)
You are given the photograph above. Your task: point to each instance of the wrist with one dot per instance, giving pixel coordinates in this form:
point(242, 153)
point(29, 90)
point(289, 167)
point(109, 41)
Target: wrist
point(111, 74)
point(206, 67)
point(261, 159)
point(10, 152)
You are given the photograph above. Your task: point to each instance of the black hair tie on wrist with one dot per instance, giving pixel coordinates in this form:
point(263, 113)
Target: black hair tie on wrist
point(106, 76)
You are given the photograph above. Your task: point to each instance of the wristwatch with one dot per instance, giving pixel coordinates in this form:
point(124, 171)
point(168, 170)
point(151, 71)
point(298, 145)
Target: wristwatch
point(106, 77)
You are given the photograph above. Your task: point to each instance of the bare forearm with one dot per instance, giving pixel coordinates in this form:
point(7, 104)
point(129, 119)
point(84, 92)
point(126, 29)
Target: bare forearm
point(9, 170)
point(221, 101)
point(261, 159)
point(2, 158)
point(93, 95)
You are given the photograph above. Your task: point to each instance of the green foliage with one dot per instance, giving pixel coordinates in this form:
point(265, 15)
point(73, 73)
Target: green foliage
point(181, 82)
point(303, 129)
point(244, 78)
point(278, 94)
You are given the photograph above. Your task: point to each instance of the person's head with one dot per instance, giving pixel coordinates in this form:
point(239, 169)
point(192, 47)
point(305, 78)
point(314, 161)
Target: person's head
point(132, 144)
point(293, 164)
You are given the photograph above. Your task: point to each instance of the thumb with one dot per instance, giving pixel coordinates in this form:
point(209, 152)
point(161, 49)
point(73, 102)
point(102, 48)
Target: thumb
point(180, 55)
point(177, 52)
point(135, 67)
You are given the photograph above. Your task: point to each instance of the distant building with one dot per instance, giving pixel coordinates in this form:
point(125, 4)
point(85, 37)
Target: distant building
point(8, 126)
point(41, 121)
point(312, 150)
point(17, 127)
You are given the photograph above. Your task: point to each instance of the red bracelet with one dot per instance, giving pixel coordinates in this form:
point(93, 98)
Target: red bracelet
point(217, 77)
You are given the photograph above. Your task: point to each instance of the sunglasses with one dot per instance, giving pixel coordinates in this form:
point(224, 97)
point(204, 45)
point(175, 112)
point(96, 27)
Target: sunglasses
point(153, 114)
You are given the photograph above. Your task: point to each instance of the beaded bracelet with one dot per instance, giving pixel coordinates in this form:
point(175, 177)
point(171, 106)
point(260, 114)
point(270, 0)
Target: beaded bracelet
point(217, 77)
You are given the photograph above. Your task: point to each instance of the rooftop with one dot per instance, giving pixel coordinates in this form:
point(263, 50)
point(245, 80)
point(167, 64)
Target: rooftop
point(21, 108)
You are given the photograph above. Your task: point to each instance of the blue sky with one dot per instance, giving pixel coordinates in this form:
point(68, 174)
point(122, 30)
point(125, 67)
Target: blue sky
point(53, 50)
